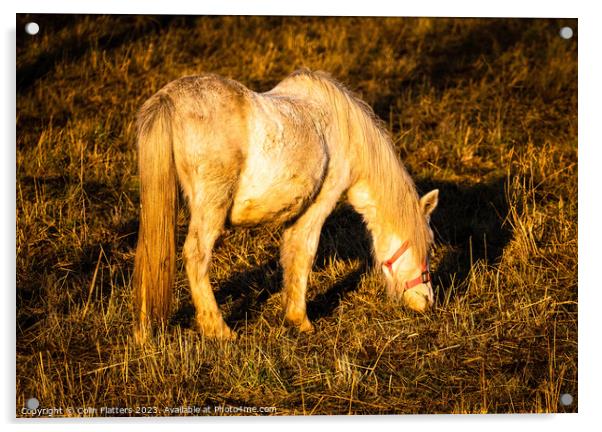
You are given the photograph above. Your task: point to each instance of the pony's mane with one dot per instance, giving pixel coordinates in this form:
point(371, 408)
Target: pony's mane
point(378, 164)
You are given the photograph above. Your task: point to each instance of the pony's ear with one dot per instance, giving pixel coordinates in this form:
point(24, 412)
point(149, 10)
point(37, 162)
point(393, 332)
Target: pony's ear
point(428, 202)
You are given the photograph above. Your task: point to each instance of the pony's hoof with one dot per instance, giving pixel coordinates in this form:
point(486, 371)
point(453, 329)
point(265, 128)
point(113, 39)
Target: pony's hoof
point(141, 334)
point(306, 327)
point(300, 321)
point(229, 336)
point(303, 326)
point(220, 332)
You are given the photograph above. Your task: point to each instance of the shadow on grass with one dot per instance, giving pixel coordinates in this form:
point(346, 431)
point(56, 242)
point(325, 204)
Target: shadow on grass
point(469, 220)
point(344, 237)
point(126, 29)
point(459, 55)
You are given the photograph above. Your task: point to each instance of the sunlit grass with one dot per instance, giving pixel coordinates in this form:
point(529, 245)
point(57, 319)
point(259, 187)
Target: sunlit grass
point(484, 110)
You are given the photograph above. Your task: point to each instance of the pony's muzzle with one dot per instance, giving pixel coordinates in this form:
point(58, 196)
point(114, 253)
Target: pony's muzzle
point(419, 298)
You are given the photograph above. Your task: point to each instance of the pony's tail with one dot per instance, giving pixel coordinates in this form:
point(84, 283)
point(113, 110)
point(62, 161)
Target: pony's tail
point(154, 267)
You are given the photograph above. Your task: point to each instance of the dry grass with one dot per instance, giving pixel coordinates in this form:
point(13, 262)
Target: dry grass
point(485, 110)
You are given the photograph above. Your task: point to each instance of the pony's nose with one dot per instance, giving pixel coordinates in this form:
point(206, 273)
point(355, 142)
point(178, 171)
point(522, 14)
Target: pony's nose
point(420, 298)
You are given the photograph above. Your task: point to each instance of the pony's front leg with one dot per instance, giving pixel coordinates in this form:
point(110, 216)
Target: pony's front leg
point(297, 252)
point(202, 233)
point(299, 244)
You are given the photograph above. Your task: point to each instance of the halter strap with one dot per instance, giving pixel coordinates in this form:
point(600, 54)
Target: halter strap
point(424, 277)
point(402, 249)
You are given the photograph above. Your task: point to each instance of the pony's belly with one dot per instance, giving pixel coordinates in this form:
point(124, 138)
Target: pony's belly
point(257, 210)
point(276, 192)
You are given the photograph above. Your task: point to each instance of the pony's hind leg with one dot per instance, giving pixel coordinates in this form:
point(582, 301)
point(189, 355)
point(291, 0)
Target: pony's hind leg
point(206, 224)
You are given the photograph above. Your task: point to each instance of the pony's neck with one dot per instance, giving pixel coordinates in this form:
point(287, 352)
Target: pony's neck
point(385, 195)
point(385, 239)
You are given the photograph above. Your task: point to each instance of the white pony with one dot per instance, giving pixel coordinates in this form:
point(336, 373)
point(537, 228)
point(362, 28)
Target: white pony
point(285, 156)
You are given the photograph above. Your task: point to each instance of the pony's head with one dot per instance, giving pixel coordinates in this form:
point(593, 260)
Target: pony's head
point(408, 275)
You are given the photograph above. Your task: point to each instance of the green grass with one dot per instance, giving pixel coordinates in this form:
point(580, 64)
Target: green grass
point(484, 110)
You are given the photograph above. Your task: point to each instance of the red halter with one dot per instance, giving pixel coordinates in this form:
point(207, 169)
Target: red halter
point(424, 277)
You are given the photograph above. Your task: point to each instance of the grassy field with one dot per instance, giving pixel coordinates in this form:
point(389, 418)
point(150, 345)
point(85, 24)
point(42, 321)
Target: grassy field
point(484, 110)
